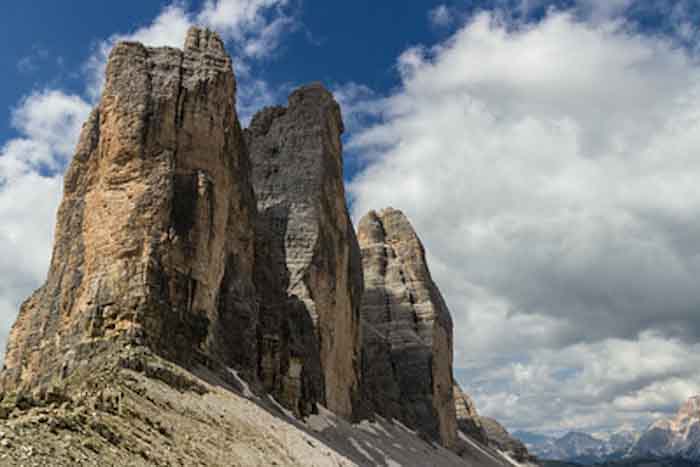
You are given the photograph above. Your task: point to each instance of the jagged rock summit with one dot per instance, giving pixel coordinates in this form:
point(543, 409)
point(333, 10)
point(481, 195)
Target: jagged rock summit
point(306, 246)
point(206, 303)
point(154, 237)
point(678, 436)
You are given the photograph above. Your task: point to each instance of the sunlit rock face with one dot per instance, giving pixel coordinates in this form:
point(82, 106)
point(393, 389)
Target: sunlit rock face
point(154, 236)
point(407, 329)
point(674, 437)
point(309, 271)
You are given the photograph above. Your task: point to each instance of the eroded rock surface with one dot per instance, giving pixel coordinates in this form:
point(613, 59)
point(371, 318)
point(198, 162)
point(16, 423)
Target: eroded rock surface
point(188, 253)
point(500, 439)
point(309, 274)
point(468, 420)
point(407, 329)
point(154, 241)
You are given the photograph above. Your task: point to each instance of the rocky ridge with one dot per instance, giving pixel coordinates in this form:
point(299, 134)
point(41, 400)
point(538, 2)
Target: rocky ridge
point(468, 420)
point(499, 439)
point(205, 303)
point(674, 437)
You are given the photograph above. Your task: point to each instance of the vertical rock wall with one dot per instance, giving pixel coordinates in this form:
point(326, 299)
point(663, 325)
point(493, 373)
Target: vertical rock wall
point(154, 240)
point(407, 329)
point(309, 273)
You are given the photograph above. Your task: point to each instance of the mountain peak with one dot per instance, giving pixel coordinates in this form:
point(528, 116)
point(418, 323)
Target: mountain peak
point(207, 287)
point(204, 40)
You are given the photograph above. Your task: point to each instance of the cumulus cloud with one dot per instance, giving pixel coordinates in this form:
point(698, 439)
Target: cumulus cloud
point(48, 123)
point(31, 63)
point(550, 168)
point(252, 29)
point(440, 16)
point(598, 386)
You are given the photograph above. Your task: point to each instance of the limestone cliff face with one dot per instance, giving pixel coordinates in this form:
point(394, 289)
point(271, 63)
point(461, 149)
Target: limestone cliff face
point(183, 239)
point(468, 420)
point(309, 271)
point(500, 439)
point(154, 240)
point(407, 329)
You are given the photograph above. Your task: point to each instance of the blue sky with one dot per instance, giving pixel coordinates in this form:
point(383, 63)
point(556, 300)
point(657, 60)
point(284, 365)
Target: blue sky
point(546, 152)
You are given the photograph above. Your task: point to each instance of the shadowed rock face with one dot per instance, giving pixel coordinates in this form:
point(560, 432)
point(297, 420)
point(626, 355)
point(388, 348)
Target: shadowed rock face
point(468, 420)
point(499, 438)
point(154, 239)
point(309, 271)
point(407, 333)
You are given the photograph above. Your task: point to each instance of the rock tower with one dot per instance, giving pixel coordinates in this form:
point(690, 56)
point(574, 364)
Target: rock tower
point(407, 329)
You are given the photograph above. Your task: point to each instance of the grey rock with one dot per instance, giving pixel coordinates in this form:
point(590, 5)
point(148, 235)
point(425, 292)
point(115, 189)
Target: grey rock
point(500, 439)
point(309, 273)
point(678, 436)
point(468, 420)
point(407, 330)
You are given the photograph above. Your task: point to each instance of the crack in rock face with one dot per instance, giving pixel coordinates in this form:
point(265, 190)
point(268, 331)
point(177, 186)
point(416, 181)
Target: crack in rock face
point(310, 274)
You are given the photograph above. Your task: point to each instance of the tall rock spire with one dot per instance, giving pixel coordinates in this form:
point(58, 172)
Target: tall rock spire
point(186, 249)
point(154, 236)
point(310, 274)
point(407, 329)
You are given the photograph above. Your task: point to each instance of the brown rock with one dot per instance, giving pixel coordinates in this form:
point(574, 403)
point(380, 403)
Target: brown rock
point(500, 439)
point(468, 420)
point(309, 271)
point(154, 237)
point(407, 329)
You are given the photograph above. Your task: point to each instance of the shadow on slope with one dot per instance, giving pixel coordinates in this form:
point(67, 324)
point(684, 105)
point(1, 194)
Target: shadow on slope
point(132, 408)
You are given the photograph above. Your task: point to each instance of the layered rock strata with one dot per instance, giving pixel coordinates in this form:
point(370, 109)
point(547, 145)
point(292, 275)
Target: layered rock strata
point(500, 439)
point(407, 329)
point(154, 239)
point(185, 245)
point(309, 275)
point(468, 420)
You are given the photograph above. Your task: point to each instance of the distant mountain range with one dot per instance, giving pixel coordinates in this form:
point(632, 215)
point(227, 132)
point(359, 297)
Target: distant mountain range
point(578, 447)
point(640, 462)
point(670, 442)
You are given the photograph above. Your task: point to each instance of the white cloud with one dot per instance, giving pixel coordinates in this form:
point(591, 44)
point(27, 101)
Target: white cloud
point(595, 10)
point(248, 22)
point(550, 168)
point(596, 386)
point(30, 188)
point(440, 16)
point(252, 28)
point(31, 63)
